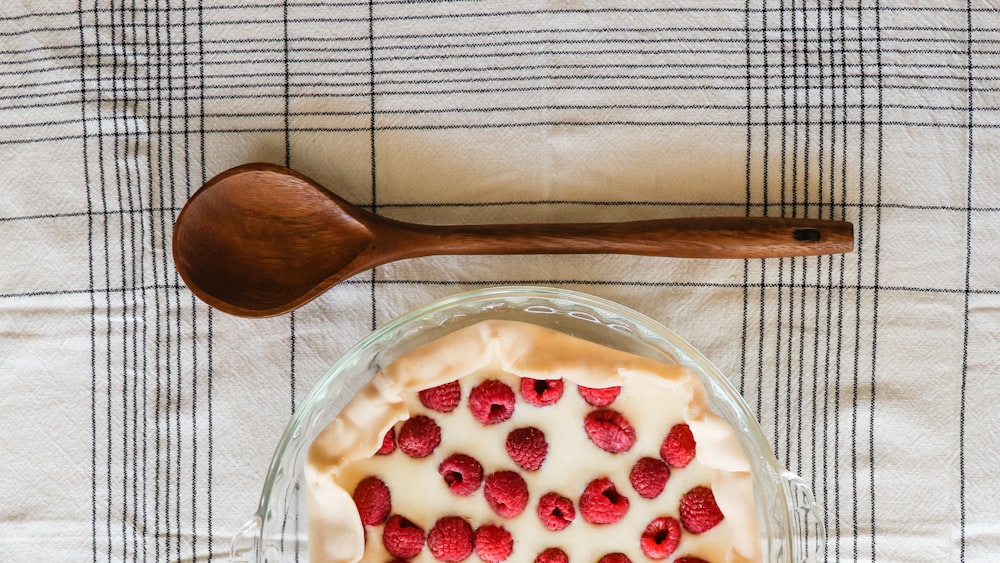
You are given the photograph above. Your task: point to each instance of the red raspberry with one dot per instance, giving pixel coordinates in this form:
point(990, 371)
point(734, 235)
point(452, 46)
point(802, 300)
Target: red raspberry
point(555, 511)
point(541, 392)
point(689, 559)
point(371, 495)
point(609, 430)
point(462, 473)
point(419, 436)
point(678, 447)
point(660, 538)
point(614, 558)
point(601, 503)
point(506, 493)
point(649, 477)
point(491, 401)
point(388, 443)
point(552, 555)
point(402, 538)
point(450, 539)
point(527, 447)
point(599, 396)
point(699, 512)
point(443, 398)
point(493, 543)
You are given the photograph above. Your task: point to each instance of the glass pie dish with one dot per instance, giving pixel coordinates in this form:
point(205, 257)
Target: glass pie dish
point(791, 524)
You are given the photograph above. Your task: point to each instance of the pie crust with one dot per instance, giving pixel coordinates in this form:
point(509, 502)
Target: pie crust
point(654, 396)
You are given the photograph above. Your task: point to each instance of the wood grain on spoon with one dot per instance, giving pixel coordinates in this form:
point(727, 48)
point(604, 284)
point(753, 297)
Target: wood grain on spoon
point(261, 240)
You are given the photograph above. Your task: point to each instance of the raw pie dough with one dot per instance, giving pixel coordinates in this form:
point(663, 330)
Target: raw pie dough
point(654, 397)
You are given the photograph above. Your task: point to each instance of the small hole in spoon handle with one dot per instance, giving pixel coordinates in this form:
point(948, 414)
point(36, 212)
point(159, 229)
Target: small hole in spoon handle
point(807, 235)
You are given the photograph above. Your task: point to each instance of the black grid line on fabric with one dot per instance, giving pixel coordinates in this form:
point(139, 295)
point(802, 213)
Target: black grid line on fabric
point(157, 305)
point(793, 400)
point(821, 368)
point(286, 78)
point(748, 195)
point(163, 162)
point(195, 371)
point(782, 143)
point(819, 207)
point(176, 179)
point(85, 156)
point(806, 157)
point(304, 45)
point(372, 96)
point(121, 135)
point(210, 316)
point(840, 301)
point(286, 22)
point(287, 138)
point(963, 388)
point(835, 286)
point(663, 9)
point(102, 187)
point(829, 65)
point(855, 368)
point(141, 260)
point(759, 391)
point(529, 124)
point(140, 545)
point(237, 82)
point(876, 271)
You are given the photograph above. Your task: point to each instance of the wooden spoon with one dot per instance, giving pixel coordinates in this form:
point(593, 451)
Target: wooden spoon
point(260, 240)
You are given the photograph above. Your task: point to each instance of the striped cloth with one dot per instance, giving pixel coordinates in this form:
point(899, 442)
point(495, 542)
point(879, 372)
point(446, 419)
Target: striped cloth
point(137, 423)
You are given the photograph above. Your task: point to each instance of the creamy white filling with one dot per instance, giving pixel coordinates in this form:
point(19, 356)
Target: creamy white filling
point(654, 397)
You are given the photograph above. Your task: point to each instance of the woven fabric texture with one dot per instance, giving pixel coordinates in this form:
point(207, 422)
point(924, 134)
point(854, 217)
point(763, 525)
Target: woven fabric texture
point(137, 423)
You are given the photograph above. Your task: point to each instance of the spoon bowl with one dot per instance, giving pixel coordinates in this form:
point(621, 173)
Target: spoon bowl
point(260, 240)
point(254, 240)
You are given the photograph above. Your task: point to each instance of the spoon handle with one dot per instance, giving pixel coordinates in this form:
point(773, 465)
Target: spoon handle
point(698, 237)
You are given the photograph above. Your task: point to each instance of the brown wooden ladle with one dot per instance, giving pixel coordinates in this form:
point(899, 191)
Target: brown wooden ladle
point(260, 240)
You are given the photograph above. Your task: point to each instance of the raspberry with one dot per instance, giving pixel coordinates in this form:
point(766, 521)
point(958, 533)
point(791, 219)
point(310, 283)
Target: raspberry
point(450, 539)
point(552, 555)
point(371, 495)
point(388, 443)
point(443, 398)
point(609, 430)
point(506, 493)
point(402, 538)
point(614, 558)
point(493, 543)
point(419, 436)
point(462, 473)
point(555, 511)
point(678, 447)
point(541, 392)
point(660, 538)
point(527, 447)
point(649, 477)
point(599, 396)
point(601, 503)
point(689, 559)
point(699, 513)
point(492, 401)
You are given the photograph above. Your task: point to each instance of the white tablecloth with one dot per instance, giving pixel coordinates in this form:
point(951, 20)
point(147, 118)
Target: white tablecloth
point(136, 424)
